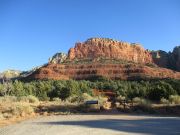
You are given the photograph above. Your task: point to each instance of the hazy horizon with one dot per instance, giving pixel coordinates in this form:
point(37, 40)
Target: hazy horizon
point(33, 31)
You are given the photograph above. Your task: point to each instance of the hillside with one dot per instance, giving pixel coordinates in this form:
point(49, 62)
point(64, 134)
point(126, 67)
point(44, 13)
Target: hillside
point(10, 74)
point(103, 57)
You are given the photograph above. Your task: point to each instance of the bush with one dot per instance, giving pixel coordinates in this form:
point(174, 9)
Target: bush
point(164, 101)
point(80, 99)
point(22, 110)
point(86, 97)
point(73, 99)
point(159, 90)
point(65, 93)
point(142, 102)
point(60, 90)
point(143, 105)
point(137, 100)
point(29, 99)
point(174, 99)
point(42, 89)
point(18, 89)
point(120, 98)
point(56, 99)
point(6, 89)
point(8, 99)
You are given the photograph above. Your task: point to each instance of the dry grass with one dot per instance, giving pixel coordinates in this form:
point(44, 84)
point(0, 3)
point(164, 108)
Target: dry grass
point(12, 108)
point(57, 107)
point(29, 99)
point(174, 99)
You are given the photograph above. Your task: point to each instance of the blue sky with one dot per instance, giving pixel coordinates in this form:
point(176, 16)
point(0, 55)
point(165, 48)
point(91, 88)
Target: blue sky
point(31, 31)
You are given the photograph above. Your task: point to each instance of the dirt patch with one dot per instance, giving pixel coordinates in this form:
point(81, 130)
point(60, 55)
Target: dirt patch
point(96, 124)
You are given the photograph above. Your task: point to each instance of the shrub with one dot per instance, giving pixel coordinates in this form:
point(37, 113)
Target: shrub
point(8, 99)
point(143, 105)
point(174, 99)
point(29, 99)
point(80, 99)
point(142, 102)
point(60, 90)
point(18, 89)
point(73, 99)
point(137, 100)
point(145, 102)
point(164, 101)
point(42, 89)
point(120, 98)
point(22, 109)
point(65, 93)
point(159, 90)
point(86, 97)
point(56, 99)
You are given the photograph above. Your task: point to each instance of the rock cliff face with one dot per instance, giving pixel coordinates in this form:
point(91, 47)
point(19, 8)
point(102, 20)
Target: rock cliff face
point(104, 47)
point(102, 57)
point(160, 58)
point(176, 58)
point(169, 60)
point(58, 58)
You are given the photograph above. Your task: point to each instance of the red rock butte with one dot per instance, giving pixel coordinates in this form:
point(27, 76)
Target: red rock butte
point(104, 47)
point(103, 57)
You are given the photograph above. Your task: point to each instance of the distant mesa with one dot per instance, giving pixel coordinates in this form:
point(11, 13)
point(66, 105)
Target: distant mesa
point(10, 73)
point(104, 57)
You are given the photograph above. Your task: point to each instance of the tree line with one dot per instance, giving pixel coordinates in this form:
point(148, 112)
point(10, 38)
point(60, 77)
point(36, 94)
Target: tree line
point(47, 89)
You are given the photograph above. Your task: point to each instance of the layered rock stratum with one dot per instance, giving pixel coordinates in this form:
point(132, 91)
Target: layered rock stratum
point(103, 57)
point(110, 71)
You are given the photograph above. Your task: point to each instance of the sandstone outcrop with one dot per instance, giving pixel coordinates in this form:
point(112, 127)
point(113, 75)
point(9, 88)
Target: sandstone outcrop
point(160, 58)
point(169, 60)
point(104, 47)
point(58, 58)
point(176, 58)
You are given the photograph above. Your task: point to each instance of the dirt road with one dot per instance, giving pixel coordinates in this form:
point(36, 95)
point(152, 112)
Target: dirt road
point(91, 124)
